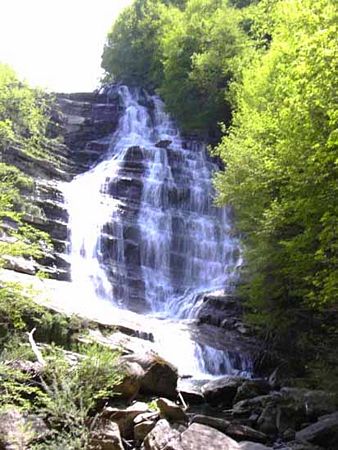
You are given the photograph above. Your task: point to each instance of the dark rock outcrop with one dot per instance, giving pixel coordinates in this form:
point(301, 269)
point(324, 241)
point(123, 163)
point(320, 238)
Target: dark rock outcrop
point(222, 391)
point(324, 432)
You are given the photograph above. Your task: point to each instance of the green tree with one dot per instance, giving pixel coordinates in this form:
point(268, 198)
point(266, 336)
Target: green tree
point(201, 56)
point(281, 163)
point(189, 51)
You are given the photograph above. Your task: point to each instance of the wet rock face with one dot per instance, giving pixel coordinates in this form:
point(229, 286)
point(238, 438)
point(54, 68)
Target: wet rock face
point(85, 121)
point(120, 239)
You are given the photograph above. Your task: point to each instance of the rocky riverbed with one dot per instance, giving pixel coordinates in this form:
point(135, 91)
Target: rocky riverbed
point(156, 409)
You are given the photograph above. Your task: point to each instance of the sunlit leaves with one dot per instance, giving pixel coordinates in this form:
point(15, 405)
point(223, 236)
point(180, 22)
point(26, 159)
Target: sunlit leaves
point(280, 155)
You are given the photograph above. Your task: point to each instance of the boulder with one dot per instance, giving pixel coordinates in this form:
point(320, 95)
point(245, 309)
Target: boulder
point(222, 391)
point(170, 411)
point(251, 389)
point(160, 377)
point(190, 391)
point(160, 436)
point(234, 430)
point(131, 383)
point(198, 437)
point(142, 429)
point(314, 403)
point(125, 417)
point(106, 437)
point(284, 411)
point(323, 433)
point(267, 421)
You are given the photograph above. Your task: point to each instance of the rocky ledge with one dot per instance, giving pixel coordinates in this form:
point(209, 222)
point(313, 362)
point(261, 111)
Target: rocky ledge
point(81, 129)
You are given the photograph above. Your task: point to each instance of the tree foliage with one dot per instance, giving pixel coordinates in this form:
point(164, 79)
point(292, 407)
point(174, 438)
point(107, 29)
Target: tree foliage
point(24, 114)
point(281, 162)
point(188, 50)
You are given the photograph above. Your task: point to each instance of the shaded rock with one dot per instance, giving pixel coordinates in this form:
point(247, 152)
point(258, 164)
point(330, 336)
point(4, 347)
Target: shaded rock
point(151, 416)
point(142, 429)
point(160, 377)
point(295, 445)
point(252, 446)
point(125, 417)
point(323, 433)
point(134, 154)
point(160, 436)
point(169, 410)
point(106, 437)
point(314, 403)
point(267, 422)
point(276, 378)
point(163, 144)
point(251, 389)
point(219, 310)
point(222, 390)
point(285, 410)
point(234, 430)
point(191, 391)
point(20, 264)
point(131, 383)
point(143, 424)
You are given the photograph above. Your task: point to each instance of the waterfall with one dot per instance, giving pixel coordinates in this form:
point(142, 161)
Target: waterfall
point(145, 234)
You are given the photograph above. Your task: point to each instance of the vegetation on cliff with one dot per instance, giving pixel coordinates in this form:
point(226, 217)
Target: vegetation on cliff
point(266, 70)
point(65, 396)
point(23, 124)
point(281, 168)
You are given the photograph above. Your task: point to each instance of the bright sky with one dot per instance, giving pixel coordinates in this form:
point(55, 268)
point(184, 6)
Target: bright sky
point(57, 44)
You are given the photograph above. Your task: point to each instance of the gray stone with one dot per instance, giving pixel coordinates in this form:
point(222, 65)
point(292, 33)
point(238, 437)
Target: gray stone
point(252, 446)
point(160, 377)
point(125, 417)
point(234, 430)
point(314, 403)
point(170, 411)
point(131, 383)
point(142, 429)
point(160, 436)
point(251, 389)
point(190, 391)
point(222, 390)
point(323, 433)
point(20, 264)
point(106, 437)
point(198, 437)
point(267, 422)
point(295, 445)
point(148, 416)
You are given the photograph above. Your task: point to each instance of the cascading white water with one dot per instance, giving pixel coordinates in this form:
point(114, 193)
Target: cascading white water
point(183, 241)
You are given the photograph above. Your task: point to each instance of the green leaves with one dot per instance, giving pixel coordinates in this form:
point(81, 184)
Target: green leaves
point(188, 50)
point(280, 157)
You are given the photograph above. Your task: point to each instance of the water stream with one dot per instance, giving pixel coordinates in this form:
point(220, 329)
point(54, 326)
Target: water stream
point(146, 236)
